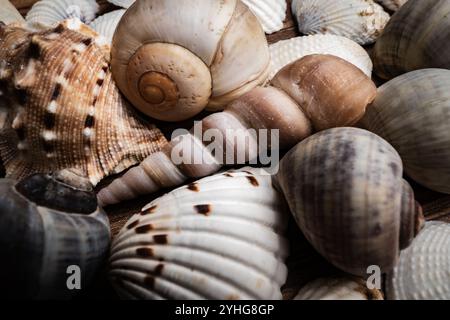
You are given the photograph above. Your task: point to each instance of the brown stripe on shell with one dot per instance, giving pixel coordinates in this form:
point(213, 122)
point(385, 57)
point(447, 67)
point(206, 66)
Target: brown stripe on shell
point(144, 229)
point(89, 122)
point(161, 239)
point(159, 269)
point(34, 50)
point(145, 252)
point(204, 209)
point(49, 120)
point(254, 182)
point(150, 210)
point(21, 96)
point(133, 224)
point(193, 187)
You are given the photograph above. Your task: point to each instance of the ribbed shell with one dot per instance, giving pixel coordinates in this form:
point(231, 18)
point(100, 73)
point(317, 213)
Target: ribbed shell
point(9, 13)
point(359, 20)
point(48, 12)
point(217, 238)
point(344, 288)
point(288, 51)
point(423, 271)
point(106, 24)
point(415, 38)
point(64, 108)
point(392, 5)
point(270, 13)
point(412, 112)
point(344, 188)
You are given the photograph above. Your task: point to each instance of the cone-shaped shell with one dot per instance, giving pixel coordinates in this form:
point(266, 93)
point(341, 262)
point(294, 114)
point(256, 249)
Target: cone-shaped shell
point(423, 271)
point(287, 51)
point(106, 24)
point(49, 231)
point(415, 38)
point(217, 238)
point(64, 108)
point(9, 13)
point(392, 5)
point(412, 112)
point(344, 187)
point(342, 288)
point(359, 20)
point(45, 13)
point(172, 58)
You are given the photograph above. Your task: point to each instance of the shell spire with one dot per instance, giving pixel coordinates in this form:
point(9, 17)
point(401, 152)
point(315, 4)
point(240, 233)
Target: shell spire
point(65, 110)
point(280, 107)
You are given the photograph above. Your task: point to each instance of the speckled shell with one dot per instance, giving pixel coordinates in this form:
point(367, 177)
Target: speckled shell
point(412, 112)
point(64, 110)
point(287, 51)
point(423, 271)
point(345, 189)
point(46, 13)
point(392, 5)
point(415, 38)
point(106, 24)
point(339, 288)
point(359, 20)
point(217, 238)
point(270, 13)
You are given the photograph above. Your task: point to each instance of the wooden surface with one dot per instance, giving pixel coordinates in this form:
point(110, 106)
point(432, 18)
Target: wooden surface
point(304, 263)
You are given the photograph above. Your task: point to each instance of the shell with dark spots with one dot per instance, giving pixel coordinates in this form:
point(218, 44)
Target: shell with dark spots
point(63, 108)
point(225, 240)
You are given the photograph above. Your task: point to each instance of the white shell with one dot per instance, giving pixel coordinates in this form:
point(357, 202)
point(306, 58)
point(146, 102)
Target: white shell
point(392, 5)
point(359, 20)
point(270, 13)
point(48, 12)
point(122, 3)
point(423, 271)
point(286, 51)
point(9, 13)
point(217, 238)
point(344, 288)
point(106, 24)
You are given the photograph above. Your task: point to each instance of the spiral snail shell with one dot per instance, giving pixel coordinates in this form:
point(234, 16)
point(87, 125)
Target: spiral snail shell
point(298, 102)
point(49, 223)
point(345, 189)
point(171, 65)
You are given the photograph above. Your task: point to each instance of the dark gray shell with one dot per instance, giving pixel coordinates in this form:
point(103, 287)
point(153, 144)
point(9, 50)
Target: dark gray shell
point(40, 239)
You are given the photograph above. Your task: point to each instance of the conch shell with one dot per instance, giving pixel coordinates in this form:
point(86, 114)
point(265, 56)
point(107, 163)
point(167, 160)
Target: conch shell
point(64, 110)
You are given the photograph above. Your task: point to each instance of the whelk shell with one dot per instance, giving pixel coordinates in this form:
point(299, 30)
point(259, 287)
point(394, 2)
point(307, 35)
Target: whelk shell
point(423, 271)
point(217, 238)
point(338, 288)
point(46, 13)
point(106, 24)
point(64, 110)
point(359, 20)
point(287, 51)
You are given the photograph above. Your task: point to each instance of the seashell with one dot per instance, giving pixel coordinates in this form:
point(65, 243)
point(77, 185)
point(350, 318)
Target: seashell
point(46, 13)
point(47, 225)
point(122, 3)
point(173, 69)
point(339, 288)
point(412, 112)
point(345, 190)
point(270, 13)
point(217, 238)
point(392, 5)
point(309, 103)
point(9, 13)
point(359, 20)
point(106, 24)
point(415, 38)
point(423, 271)
point(64, 108)
point(287, 51)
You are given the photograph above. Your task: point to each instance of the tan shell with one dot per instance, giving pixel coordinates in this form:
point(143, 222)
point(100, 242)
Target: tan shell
point(345, 189)
point(9, 13)
point(392, 5)
point(339, 288)
point(64, 108)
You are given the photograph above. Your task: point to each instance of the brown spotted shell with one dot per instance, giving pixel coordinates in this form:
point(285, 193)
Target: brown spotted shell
point(63, 108)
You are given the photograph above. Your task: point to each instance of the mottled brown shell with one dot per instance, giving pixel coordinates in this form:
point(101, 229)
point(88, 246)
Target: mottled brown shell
point(63, 108)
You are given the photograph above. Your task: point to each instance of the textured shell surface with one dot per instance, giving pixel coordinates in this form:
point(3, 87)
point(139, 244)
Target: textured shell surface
point(122, 3)
point(217, 238)
point(415, 38)
point(412, 112)
point(342, 288)
point(106, 24)
point(344, 188)
point(9, 13)
point(287, 51)
point(392, 5)
point(48, 12)
point(64, 110)
point(270, 13)
point(423, 271)
point(359, 20)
